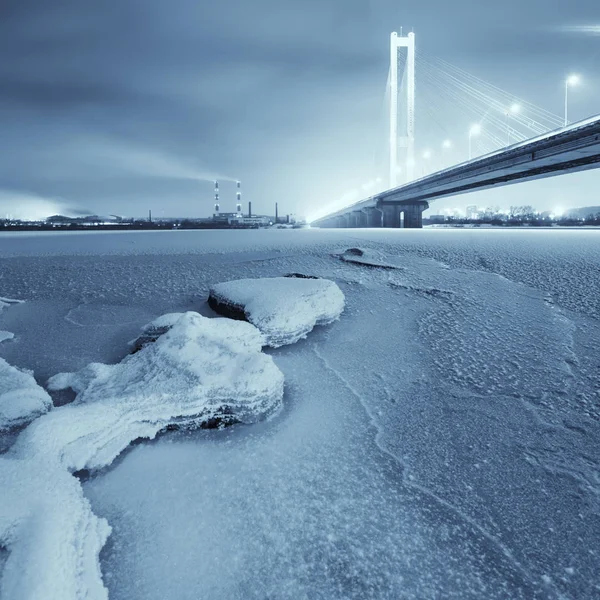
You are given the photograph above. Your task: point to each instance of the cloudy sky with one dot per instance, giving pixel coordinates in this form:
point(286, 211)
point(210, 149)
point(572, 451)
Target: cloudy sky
point(120, 106)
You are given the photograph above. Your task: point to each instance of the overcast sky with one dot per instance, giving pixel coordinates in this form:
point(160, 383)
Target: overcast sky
point(120, 106)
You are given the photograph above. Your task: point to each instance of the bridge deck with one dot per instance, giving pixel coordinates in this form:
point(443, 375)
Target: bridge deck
point(567, 150)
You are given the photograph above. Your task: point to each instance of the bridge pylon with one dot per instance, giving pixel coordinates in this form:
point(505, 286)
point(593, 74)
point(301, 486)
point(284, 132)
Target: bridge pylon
point(407, 122)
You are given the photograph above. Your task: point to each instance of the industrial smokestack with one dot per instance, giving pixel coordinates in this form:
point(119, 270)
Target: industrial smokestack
point(249, 209)
point(238, 195)
point(216, 197)
point(276, 213)
point(149, 216)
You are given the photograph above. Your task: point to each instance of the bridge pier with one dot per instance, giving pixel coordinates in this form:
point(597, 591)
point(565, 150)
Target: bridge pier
point(361, 219)
point(391, 215)
point(341, 221)
point(373, 217)
point(413, 215)
point(352, 220)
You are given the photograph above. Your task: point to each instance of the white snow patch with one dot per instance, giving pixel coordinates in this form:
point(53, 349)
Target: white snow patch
point(191, 373)
point(285, 309)
point(21, 398)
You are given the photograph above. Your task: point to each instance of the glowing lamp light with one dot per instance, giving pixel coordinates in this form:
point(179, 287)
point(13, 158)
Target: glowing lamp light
point(573, 79)
point(515, 108)
point(446, 144)
point(475, 129)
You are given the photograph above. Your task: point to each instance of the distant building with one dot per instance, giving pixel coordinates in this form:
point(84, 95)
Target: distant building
point(240, 220)
point(472, 212)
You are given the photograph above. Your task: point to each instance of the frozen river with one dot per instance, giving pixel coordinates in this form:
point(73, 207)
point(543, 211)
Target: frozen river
point(441, 440)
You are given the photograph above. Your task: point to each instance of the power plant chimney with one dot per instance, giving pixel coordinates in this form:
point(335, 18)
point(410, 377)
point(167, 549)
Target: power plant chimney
point(216, 197)
point(249, 209)
point(276, 214)
point(150, 216)
point(238, 197)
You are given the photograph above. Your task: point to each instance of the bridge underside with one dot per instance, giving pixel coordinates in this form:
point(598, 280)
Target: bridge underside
point(397, 214)
point(569, 150)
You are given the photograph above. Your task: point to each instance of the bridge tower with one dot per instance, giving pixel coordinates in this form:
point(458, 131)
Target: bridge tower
point(407, 122)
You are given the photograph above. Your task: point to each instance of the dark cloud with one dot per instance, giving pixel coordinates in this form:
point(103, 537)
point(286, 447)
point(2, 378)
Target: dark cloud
point(284, 95)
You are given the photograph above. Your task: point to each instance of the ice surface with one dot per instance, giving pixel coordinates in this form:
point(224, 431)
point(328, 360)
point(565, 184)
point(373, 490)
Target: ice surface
point(21, 398)
point(442, 440)
point(6, 335)
point(285, 309)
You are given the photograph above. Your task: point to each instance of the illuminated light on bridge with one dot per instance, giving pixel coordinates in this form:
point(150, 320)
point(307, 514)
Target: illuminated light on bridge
point(570, 81)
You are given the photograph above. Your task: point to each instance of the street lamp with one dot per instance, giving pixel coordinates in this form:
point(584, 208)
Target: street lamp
point(475, 130)
point(569, 81)
point(514, 109)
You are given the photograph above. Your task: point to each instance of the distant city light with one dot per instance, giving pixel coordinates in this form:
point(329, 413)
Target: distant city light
point(559, 212)
point(446, 144)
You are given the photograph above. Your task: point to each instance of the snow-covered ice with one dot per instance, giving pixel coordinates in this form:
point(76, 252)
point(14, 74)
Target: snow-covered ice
point(441, 440)
point(51, 534)
point(285, 309)
point(6, 335)
point(21, 398)
point(199, 369)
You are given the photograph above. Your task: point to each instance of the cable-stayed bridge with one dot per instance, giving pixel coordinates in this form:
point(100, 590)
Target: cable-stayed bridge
point(509, 140)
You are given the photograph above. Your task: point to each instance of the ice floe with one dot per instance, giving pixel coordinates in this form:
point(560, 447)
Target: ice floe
point(285, 309)
point(21, 398)
point(198, 370)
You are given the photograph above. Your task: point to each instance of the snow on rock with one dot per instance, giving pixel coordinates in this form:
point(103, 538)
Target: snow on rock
point(285, 309)
point(21, 398)
point(198, 369)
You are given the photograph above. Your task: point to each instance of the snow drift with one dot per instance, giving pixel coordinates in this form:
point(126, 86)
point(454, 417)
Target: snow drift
point(21, 398)
point(285, 309)
point(199, 369)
